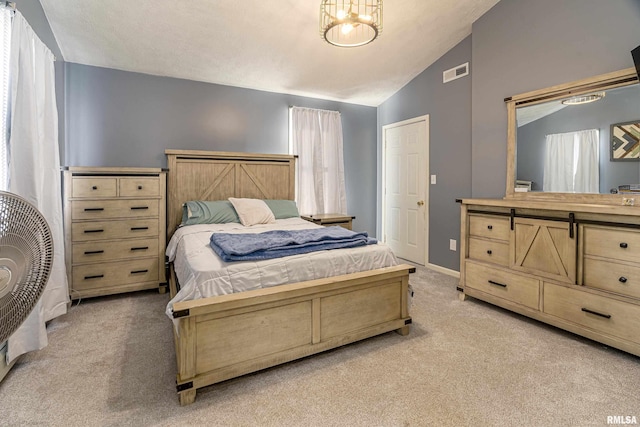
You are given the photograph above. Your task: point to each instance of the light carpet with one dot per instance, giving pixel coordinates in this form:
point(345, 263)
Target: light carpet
point(111, 362)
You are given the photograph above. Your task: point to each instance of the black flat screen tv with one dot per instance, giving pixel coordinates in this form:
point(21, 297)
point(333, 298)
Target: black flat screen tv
point(636, 59)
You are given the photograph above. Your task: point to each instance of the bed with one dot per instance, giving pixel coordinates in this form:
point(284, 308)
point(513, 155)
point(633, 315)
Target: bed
point(225, 336)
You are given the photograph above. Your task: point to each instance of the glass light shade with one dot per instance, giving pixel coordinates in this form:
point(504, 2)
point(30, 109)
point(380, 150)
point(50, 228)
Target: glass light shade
point(350, 23)
point(583, 99)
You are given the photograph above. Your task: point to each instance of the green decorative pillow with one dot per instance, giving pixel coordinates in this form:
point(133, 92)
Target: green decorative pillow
point(283, 208)
point(208, 212)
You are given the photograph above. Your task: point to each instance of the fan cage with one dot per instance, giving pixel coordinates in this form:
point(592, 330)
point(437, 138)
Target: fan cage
point(26, 251)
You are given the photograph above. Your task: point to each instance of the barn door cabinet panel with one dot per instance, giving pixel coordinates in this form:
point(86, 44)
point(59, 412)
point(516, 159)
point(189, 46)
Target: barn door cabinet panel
point(115, 221)
point(545, 248)
point(574, 266)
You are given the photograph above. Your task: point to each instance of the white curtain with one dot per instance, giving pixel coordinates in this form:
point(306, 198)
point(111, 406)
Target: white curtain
point(558, 165)
point(572, 162)
point(5, 49)
point(34, 169)
point(317, 141)
point(587, 177)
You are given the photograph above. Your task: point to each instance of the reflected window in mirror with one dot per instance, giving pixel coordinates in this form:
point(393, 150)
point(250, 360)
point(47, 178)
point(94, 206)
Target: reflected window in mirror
point(563, 140)
point(571, 162)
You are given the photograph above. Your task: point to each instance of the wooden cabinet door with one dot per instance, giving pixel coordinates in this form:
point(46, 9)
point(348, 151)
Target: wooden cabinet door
point(545, 248)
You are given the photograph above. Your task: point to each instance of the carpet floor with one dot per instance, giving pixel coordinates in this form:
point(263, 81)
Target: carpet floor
point(111, 362)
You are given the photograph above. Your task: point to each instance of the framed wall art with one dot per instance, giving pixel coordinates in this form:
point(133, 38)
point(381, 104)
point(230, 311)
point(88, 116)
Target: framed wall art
point(625, 141)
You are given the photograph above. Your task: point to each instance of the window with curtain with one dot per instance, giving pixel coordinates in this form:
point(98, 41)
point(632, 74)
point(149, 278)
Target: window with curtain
point(572, 162)
point(316, 138)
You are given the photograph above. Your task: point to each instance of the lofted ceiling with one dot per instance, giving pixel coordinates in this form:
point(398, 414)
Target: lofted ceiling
point(266, 45)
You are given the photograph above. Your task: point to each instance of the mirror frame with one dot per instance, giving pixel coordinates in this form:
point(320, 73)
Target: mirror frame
point(601, 82)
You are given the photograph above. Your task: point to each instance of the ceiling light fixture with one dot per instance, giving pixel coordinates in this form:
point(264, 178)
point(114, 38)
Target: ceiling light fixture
point(583, 99)
point(350, 23)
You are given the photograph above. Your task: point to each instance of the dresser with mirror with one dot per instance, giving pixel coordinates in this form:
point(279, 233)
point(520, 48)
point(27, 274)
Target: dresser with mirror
point(563, 245)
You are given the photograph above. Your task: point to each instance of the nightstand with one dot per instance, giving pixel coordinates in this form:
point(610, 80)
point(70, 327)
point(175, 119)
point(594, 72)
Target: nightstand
point(331, 219)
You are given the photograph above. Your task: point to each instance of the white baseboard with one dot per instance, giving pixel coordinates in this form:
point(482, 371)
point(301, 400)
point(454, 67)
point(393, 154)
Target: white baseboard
point(4, 368)
point(443, 270)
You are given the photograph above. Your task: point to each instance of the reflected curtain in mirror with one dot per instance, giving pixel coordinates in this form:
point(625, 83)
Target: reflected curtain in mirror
point(571, 162)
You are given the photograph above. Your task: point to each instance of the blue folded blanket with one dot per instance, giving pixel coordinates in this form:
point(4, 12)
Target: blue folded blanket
point(280, 243)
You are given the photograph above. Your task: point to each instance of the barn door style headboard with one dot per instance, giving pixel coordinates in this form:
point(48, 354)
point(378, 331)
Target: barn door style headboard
point(214, 175)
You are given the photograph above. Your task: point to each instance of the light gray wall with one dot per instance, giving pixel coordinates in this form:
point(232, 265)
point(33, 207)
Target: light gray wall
point(524, 45)
point(618, 106)
point(34, 14)
point(119, 118)
point(449, 108)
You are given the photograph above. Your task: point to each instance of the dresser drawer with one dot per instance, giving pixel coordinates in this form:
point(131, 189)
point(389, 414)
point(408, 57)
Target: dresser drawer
point(139, 187)
point(489, 251)
point(490, 226)
point(102, 230)
point(602, 314)
point(108, 250)
point(613, 277)
point(94, 186)
point(503, 284)
point(105, 209)
point(611, 242)
point(92, 276)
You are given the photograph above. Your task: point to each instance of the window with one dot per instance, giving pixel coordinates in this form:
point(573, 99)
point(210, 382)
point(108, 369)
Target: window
point(315, 136)
point(572, 162)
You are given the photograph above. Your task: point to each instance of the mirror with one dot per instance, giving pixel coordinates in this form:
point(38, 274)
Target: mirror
point(577, 142)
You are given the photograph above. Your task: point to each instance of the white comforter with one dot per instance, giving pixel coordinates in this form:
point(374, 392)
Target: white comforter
point(201, 273)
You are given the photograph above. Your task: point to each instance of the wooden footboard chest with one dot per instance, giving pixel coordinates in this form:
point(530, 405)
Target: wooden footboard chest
point(227, 336)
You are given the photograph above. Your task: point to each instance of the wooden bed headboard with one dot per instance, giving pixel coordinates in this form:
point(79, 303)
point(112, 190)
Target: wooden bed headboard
point(216, 175)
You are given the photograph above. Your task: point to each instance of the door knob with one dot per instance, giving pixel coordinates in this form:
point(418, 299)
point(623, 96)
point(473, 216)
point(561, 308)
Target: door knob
point(421, 202)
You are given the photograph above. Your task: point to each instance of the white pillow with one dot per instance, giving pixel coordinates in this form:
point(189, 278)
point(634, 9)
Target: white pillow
point(252, 211)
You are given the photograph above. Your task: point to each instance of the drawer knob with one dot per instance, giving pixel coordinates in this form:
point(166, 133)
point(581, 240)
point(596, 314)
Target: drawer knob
point(622, 279)
point(97, 276)
point(139, 228)
point(624, 245)
point(94, 231)
point(489, 252)
point(490, 227)
point(140, 248)
point(95, 187)
point(606, 316)
point(93, 209)
point(139, 187)
point(139, 271)
point(139, 208)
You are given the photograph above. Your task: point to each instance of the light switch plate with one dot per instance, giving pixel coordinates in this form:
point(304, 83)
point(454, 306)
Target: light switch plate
point(433, 179)
point(452, 244)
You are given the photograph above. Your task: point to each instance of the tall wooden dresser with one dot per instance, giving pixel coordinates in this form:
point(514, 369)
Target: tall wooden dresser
point(115, 221)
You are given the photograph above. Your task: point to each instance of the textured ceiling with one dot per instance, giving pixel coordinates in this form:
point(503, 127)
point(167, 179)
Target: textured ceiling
point(267, 45)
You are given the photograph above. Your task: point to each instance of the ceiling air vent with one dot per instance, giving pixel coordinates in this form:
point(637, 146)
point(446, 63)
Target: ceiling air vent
point(455, 72)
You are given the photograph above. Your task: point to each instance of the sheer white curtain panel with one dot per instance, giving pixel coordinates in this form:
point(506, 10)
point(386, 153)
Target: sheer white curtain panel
point(317, 141)
point(572, 162)
point(587, 177)
point(34, 169)
point(5, 49)
point(558, 165)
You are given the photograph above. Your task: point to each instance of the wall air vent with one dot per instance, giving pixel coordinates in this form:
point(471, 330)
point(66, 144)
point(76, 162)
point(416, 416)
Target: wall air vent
point(455, 72)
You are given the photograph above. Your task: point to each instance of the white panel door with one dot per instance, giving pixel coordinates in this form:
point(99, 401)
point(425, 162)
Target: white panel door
point(405, 190)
